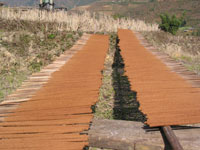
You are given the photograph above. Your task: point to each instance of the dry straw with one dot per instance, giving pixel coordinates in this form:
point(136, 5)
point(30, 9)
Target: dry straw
point(83, 21)
point(185, 49)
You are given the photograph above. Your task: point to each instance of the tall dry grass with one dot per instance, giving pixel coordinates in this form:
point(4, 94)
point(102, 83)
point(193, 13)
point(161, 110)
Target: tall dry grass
point(83, 21)
point(25, 48)
point(185, 49)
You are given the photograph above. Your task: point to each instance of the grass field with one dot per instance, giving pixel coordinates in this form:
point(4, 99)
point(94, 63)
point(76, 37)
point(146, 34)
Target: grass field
point(185, 49)
point(82, 21)
point(25, 47)
point(150, 10)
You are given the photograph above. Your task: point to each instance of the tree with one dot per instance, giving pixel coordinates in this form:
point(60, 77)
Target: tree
point(171, 24)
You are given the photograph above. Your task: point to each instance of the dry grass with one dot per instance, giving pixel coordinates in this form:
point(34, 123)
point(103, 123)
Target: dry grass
point(83, 21)
point(25, 48)
point(31, 39)
point(104, 107)
point(150, 10)
point(185, 49)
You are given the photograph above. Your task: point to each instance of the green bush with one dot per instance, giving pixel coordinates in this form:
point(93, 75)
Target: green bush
point(196, 33)
point(171, 24)
point(35, 66)
point(51, 36)
point(152, 0)
point(118, 16)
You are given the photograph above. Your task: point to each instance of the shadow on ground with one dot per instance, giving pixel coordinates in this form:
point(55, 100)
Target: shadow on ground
point(126, 106)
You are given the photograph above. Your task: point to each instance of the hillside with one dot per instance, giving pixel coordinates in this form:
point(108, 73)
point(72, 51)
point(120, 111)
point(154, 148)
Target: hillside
point(148, 10)
point(59, 3)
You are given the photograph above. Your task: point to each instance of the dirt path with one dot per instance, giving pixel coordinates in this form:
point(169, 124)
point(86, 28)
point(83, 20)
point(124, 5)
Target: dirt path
point(164, 96)
point(60, 110)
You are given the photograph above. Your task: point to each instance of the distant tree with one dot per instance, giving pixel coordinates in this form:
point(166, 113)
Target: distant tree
point(152, 0)
point(196, 33)
point(171, 24)
point(118, 16)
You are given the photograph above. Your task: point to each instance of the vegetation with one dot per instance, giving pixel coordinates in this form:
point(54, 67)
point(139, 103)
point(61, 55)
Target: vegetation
point(150, 10)
point(104, 107)
point(185, 49)
point(171, 24)
point(196, 33)
point(25, 47)
point(118, 16)
point(82, 21)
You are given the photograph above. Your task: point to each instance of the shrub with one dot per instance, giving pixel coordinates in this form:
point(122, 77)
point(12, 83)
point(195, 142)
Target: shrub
point(196, 33)
point(35, 66)
point(171, 24)
point(51, 36)
point(118, 16)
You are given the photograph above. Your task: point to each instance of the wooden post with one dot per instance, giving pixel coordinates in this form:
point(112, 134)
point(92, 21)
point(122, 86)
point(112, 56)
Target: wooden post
point(171, 137)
